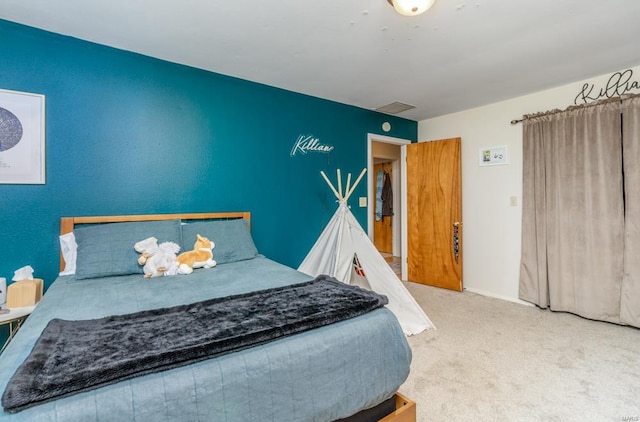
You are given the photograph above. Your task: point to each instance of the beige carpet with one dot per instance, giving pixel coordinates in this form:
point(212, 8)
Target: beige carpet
point(493, 360)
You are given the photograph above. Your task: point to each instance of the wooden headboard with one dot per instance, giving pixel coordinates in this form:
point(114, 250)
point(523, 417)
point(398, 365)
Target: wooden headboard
point(67, 224)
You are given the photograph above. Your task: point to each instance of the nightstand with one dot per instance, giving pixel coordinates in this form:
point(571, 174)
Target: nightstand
point(14, 319)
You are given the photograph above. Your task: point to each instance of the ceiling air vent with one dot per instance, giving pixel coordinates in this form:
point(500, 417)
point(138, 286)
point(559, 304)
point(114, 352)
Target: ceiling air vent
point(395, 108)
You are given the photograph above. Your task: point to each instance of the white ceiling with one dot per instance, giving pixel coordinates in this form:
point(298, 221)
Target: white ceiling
point(459, 55)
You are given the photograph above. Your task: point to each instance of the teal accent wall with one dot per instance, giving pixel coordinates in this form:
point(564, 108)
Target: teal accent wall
point(128, 134)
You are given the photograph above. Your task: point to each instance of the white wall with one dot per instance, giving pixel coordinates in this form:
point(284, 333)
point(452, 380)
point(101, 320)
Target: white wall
point(491, 226)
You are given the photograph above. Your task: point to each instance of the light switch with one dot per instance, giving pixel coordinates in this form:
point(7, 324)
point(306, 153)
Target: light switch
point(363, 201)
point(513, 201)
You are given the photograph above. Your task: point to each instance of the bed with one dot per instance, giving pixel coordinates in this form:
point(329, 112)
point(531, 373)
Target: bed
point(329, 373)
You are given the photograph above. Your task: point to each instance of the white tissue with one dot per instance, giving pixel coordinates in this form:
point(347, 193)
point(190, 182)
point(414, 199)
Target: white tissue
point(69, 249)
point(24, 273)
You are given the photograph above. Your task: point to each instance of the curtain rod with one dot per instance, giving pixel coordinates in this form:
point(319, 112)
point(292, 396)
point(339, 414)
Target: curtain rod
point(606, 100)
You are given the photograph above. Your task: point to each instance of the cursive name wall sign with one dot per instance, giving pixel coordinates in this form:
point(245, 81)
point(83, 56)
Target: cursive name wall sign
point(618, 84)
point(308, 143)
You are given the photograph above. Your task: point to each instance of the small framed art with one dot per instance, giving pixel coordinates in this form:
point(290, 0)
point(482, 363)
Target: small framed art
point(494, 156)
point(22, 133)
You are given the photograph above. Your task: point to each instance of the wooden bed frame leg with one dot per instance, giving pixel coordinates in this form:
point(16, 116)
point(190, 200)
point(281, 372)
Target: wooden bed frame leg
point(405, 411)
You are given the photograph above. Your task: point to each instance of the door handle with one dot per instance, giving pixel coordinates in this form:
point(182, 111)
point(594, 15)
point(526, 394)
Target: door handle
point(456, 240)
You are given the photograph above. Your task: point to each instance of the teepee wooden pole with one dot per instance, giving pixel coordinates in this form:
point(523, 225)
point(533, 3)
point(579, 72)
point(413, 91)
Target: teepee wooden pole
point(340, 184)
point(364, 170)
point(348, 182)
point(326, 179)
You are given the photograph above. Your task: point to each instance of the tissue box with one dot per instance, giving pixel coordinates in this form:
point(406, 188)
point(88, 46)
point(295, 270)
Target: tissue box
point(24, 293)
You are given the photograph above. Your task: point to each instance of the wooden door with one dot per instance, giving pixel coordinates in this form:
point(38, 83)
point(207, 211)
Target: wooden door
point(434, 202)
point(382, 229)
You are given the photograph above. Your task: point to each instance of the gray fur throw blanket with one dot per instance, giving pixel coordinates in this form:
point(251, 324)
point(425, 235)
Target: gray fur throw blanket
point(74, 356)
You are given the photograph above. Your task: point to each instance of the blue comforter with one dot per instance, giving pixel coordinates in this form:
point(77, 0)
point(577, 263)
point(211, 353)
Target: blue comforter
point(321, 375)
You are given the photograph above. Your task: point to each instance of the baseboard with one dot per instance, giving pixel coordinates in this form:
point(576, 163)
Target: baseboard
point(501, 297)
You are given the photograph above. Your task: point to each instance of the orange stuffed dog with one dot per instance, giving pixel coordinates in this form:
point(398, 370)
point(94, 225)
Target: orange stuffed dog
point(200, 257)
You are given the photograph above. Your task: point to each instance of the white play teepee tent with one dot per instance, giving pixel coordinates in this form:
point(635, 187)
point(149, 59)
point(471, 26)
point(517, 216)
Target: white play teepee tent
point(344, 251)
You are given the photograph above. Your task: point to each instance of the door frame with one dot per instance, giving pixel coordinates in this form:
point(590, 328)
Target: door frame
point(371, 199)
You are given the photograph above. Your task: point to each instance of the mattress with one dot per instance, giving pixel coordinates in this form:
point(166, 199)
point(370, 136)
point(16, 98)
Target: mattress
point(322, 375)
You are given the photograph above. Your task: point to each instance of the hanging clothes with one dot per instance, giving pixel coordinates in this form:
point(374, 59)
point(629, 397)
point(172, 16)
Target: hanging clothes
point(387, 196)
point(379, 183)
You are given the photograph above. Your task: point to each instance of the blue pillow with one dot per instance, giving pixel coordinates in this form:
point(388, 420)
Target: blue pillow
point(107, 249)
point(232, 239)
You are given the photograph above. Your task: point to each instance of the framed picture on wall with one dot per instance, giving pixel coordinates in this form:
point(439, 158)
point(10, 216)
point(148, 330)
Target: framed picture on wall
point(22, 133)
point(494, 156)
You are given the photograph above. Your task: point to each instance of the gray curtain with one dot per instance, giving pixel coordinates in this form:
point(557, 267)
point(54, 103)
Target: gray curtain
point(573, 232)
point(630, 298)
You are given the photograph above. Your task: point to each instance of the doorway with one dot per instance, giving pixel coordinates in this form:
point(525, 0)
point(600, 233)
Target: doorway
point(452, 242)
point(389, 232)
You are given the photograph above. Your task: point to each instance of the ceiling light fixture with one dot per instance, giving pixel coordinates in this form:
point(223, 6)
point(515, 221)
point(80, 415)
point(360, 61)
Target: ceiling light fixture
point(411, 7)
